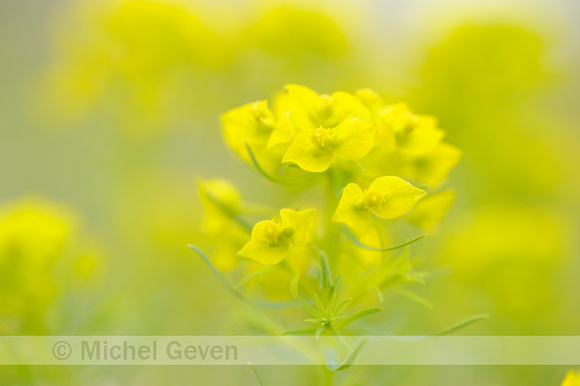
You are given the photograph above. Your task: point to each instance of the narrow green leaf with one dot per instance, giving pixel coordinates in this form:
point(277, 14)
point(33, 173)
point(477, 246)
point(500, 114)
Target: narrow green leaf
point(361, 314)
point(269, 177)
point(340, 305)
point(335, 285)
point(294, 286)
point(302, 331)
point(319, 331)
point(356, 242)
point(336, 319)
point(381, 298)
point(326, 275)
point(247, 278)
point(330, 306)
point(319, 305)
point(217, 273)
point(341, 341)
point(461, 325)
point(349, 360)
point(414, 297)
point(270, 305)
point(308, 307)
point(256, 373)
point(228, 212)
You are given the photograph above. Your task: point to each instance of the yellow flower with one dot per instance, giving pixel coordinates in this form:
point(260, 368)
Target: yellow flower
point(310, 110)
point(314, 150)
point(432, 168)
point(572, 379)
point(42, 255)
point(271, 241)
point(221, 201)
point(431, 210)
point(370, 99)
point(251, 124)
point(413, 134)
point(387, 197)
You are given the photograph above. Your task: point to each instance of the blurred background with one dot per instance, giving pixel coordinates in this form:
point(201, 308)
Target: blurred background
point(109, 112)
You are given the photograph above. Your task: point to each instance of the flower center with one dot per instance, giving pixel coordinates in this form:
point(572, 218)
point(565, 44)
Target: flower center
point(259, 109)
point(374, 199)
point(274, 234)
point(322, 138)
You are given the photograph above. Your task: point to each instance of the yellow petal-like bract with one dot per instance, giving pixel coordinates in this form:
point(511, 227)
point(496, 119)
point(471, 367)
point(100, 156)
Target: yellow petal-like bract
point(388, 197)
point(271, 241)
point(348, 132)
point(391, 197)
point(572, 379)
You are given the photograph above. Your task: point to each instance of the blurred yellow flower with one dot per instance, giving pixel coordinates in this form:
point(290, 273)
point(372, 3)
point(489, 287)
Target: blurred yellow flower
point(429, 212)
point(36, 239)
point(413, 134)
point(572, 379)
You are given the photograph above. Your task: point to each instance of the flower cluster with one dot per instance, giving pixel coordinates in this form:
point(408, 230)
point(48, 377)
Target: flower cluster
point(358, 135)
point(370, 158)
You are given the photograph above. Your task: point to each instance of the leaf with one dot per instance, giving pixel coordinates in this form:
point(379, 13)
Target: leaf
point(319, 305)
point(361, 314)
point(349, 360)
point(340, 305)
point(270, 305)
point(326, 275)
point(341, 341)
point(414, 297)
point(294, 286)
point(248, 277)
point(302, 331)
point(330, 306)
point(228, 212)
point(269, 177)
point(380, 294)
point(461, 325)
point(335, 285)
point(255, 373)
point(356, 242)
point(308, 307)
point(319, 331)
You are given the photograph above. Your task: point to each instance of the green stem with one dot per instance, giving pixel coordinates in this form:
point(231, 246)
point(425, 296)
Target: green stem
point(327, 376)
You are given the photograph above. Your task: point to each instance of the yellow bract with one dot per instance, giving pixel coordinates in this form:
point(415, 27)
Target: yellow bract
point(221, 201)
point(388, 197)
point(412, 134)
point(251, 124)
point(272, 240)
point(314, 150)
point(312, 131)
point(431, 210)
point(572, 379)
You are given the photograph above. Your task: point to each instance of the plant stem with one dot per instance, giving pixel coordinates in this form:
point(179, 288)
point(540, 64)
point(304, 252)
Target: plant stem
point(327, 376)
